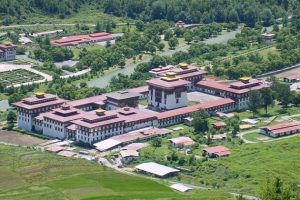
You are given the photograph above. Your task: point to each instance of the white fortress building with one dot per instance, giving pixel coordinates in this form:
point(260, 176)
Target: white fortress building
point(168, 92)
point(86, 121)
point(31, 107)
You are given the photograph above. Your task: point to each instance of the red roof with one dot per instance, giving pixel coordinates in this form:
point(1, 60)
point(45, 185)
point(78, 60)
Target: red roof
point(140, 134)
point(218, 150)
point(158, 82)
point(62, 116)
point(34, 102)
point(219, 86)
point(7, 46)
point(219, 124)
point(287, 129)
point(280, 126)
point(140, 90)
point(293, 77)
point(78, 39)
point(194, 108)
point(99, 100)
point(134, 115)
point(182, 140)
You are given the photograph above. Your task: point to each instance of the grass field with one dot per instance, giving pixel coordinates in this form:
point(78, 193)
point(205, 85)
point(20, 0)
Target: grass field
point(18, 76)
point(29, 174)
point(256, 137)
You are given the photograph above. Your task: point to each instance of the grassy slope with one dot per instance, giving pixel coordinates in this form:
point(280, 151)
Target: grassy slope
point(29, 174)
point(248, 166)
point(86, 14)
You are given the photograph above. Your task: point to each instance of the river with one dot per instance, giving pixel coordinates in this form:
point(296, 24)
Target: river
point(103, 81)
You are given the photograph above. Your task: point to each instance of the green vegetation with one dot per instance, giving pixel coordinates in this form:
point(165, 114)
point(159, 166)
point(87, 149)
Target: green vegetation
point(243, 171)
point(31, 174)
point(256, 137)
point(17, 76)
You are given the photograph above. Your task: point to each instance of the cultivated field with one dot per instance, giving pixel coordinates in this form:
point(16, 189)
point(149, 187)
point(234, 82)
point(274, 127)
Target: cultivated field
point(30, 174)
point(16, 138)
point(18, 76)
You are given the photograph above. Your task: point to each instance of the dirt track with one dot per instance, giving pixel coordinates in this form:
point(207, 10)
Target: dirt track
point(12, 137)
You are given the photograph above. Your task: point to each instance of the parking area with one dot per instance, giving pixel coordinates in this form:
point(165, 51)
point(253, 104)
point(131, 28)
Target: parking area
point(201, 97)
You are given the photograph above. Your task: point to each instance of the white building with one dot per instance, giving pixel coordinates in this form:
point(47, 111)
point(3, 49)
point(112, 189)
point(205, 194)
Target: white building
point(31, 107)
point(167, 93)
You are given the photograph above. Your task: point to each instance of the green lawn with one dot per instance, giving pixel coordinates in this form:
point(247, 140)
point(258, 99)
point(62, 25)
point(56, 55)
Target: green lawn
point(256, 137)
point(30, 174)
point(89, 47)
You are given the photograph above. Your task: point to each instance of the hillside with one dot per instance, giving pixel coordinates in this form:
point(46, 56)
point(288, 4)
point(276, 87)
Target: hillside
point(196, 11)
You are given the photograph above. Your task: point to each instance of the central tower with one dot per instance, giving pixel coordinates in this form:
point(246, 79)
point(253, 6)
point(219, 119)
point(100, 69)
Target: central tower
point(168, 92)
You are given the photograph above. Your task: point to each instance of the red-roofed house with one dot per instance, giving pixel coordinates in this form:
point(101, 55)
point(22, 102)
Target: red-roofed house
point(31, 107)
point(219, 124)
point(182, 142)
point(282, 129)
point(292, 78)
point(180, 23)
point(216, 151)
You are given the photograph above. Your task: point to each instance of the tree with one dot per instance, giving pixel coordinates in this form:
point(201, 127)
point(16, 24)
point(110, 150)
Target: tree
point(139, 25)
point(267, 98)
point(11, 117)
point(98, 27)
point(173, 42)
point(276, 190)
point(168, 34)
point(233, 16)
point(200, 121)
point(160, 46)
point(267, 17)
point(254, 101)
point(156, 142)
point(188, 37)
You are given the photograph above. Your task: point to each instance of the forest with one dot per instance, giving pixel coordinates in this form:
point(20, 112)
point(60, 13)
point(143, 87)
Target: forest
point(191, 11)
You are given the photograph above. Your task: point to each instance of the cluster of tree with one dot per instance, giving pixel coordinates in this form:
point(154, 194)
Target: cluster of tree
point(201, 11)
point(265, 98)
point(130, 45)
point(15, 10)
point(66, 90)
point(48, 53)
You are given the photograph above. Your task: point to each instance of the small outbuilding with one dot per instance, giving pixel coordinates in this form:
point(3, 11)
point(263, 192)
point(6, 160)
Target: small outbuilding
point(180, 187)
point(156, 169)
point(216, 151)
point(128, 155)
point(280, 130)
point(219, 125)
point(182, 142)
